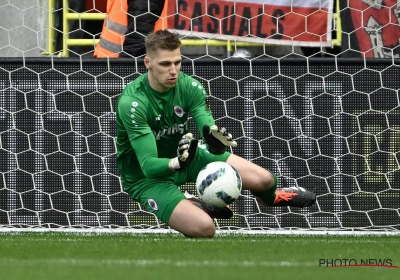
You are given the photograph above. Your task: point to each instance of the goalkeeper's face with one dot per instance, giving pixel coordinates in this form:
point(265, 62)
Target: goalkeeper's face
point(163, 67)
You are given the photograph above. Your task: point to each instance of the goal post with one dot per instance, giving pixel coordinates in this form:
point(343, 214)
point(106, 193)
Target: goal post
point(328, 125)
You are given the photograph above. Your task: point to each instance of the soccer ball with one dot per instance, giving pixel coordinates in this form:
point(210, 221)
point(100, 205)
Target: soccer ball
point(218, 184)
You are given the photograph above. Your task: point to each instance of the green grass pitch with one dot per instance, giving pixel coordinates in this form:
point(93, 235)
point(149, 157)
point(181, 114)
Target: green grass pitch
point(55, 255)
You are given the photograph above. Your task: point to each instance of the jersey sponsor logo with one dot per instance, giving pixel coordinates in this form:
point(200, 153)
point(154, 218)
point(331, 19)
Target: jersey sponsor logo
point(152, 203)
point(179, 111)
point(176, 128)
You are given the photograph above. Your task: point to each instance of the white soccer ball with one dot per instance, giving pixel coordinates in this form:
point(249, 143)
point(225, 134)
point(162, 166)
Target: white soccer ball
point(218, 184)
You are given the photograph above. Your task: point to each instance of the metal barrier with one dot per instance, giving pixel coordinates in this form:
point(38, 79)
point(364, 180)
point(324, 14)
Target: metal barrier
point(68, 16)
point(67, 42)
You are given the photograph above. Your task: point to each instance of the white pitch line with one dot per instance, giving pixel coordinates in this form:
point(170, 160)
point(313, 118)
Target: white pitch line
point(129, 262)
point(99, 231)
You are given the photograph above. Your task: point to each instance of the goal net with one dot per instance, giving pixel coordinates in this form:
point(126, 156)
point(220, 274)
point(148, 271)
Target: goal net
point(325, 123)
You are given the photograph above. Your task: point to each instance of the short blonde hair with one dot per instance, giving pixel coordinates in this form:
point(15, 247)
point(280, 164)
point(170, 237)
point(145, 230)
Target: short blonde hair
point(162, 39)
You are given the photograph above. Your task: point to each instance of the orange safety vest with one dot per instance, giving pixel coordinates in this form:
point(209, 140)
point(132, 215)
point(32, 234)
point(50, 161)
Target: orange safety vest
point(115, 26)
point(113, 34)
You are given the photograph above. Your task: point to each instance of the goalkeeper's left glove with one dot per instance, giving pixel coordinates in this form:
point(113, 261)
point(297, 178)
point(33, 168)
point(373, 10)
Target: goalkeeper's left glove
point(217, 139)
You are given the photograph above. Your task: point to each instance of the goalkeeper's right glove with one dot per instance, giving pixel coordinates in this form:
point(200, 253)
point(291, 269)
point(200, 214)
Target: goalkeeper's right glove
point(185, 153)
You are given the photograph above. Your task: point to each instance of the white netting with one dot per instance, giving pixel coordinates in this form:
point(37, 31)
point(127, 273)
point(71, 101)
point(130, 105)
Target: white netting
point(329, 124)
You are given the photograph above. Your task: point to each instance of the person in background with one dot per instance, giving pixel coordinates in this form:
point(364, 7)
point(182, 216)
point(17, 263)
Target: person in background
point(125, 27)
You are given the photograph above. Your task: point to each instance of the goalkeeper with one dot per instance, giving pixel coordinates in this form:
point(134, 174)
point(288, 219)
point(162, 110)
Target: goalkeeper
point(156, 153)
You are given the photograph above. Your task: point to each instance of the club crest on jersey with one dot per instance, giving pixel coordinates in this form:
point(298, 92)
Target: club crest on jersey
point(152, 203)
point(179, 111)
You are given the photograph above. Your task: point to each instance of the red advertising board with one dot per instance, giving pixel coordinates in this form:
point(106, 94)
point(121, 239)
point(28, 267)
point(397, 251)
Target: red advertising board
point(285, 22)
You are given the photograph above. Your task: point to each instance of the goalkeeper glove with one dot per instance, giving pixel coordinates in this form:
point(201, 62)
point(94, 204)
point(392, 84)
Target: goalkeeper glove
point(217, 139)
point(185, 152)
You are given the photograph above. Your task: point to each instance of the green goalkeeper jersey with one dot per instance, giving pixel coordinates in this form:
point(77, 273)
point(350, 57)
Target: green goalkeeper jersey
point(150, 124)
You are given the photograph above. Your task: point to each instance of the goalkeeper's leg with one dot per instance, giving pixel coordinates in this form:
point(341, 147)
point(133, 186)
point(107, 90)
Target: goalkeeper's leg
point(191, 220)
point(263, 184)
point(194, 218)
point(167, 202)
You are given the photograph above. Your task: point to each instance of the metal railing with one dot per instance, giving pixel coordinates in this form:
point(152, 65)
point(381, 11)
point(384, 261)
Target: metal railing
point(68, 42)
point(67, 16)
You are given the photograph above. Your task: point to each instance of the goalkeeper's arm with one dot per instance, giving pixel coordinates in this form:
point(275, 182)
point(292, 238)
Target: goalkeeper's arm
point(154, 167)
point(217, 139)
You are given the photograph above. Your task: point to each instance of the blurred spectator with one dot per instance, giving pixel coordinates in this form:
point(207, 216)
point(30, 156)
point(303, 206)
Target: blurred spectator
point(125, 27)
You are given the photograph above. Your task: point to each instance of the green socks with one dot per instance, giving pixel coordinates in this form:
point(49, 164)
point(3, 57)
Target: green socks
point(268, 196)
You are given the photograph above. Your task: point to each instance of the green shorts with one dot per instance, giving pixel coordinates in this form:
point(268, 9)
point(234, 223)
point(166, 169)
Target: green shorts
point(160, 196)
